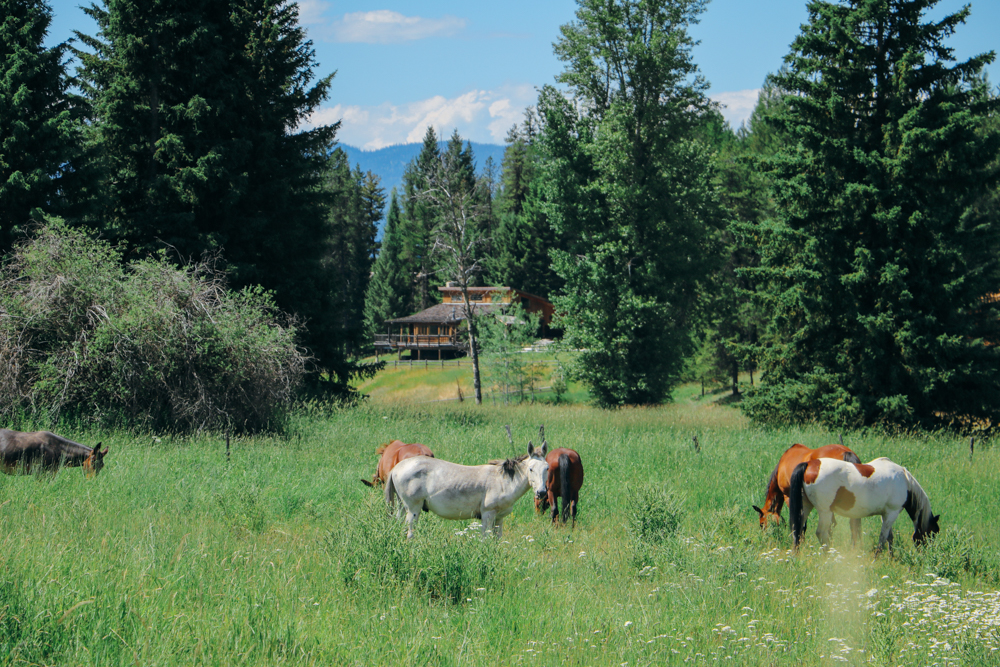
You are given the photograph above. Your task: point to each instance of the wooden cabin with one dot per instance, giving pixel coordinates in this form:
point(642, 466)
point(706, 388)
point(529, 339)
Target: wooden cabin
point(438, 330)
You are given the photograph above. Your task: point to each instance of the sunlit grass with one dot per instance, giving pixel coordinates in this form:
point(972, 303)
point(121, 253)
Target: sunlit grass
point(174, 555)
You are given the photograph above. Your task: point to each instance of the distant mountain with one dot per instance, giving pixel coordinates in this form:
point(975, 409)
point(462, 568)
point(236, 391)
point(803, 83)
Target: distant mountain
point(390, 162)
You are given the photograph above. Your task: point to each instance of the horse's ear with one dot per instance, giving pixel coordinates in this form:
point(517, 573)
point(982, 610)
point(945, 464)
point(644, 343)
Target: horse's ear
point(531, 448)
point(759, 510)
point(545, 448)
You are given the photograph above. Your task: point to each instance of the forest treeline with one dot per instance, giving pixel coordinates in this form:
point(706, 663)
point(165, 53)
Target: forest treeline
point(842, 244)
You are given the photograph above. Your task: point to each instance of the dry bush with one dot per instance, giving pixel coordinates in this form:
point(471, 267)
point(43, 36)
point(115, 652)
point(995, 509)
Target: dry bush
point(145, 344)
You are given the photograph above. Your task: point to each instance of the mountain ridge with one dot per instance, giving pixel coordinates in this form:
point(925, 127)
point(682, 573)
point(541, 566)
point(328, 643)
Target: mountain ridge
point(389, 163)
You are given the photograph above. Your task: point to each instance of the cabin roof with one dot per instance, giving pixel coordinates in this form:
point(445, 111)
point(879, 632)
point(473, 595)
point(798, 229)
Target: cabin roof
point(446, 313)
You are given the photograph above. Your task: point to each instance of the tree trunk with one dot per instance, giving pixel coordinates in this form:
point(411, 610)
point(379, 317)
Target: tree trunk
point(473, 347)
point(474, 351)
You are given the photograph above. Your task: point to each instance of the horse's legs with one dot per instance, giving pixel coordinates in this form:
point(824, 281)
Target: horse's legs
point(498, 529)
point(825, 523)
point(885, 536)
point(411, 522)
point(855, 532)
point(488, 520)
point(573, 503)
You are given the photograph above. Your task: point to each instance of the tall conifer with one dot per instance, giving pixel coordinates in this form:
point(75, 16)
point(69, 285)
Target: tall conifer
point(197, 108)
point(40, 129)
point(390, 284)
point(875, 268)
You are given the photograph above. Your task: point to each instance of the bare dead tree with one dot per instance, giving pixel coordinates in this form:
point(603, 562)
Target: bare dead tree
point(458, 239)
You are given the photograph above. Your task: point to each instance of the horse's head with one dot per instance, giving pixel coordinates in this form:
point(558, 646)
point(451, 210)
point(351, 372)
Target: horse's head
point(94, 461)
point(767, 516)
point(930, 528)
point(538, 469)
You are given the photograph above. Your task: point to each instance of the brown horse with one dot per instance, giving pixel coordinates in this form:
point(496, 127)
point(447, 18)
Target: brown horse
point(780, 482)
point(22, 453)
point(564, 481)
point(392, 453)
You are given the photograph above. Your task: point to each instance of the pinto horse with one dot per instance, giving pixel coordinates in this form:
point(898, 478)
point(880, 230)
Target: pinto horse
point(564, 481)
point(452, 491)
point(392, 453)
point(777, 486)
point(858, 490)
point(24, 452)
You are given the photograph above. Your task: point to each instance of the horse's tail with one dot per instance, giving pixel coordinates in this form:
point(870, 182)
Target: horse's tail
point(564, 485)
point(796, 494)
point(851, 457)
point(390, 493)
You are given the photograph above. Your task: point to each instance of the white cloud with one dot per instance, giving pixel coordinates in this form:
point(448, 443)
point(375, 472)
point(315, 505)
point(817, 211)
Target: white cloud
point(384, 26)
point(737, 105)
point(311, 12)
point(478, 115)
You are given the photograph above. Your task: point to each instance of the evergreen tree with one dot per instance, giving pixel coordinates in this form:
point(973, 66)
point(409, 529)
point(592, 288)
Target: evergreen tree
point(40, 129)
point(357, 202)
point(524, 237)
point(196, 107)
point(417, 224)
point(390, 284)
point(875, 267)
point(630, 192)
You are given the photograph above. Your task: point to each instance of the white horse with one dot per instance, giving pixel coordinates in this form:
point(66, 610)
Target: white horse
point(454, 491)
point(854, 490)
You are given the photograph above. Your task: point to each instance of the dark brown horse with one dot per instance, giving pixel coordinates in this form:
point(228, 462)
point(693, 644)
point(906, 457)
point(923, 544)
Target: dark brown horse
point(565, 478)
point(392, 453)
point(23, 453)
point(780, 482)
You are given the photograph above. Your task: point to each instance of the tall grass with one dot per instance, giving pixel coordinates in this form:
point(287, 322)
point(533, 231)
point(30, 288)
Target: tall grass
point(279, 555)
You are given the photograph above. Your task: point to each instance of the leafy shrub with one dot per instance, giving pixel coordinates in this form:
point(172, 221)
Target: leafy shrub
point(84, 335)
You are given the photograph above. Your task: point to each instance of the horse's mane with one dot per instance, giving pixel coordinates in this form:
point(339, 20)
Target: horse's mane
point(381, 448)
point(773, 479)
point(918, 505)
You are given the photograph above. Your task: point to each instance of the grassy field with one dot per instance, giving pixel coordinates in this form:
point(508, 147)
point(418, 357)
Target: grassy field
point(176, 556)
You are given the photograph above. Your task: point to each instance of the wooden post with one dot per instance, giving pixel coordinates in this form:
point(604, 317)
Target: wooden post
point(972, 448)
point(697, 447)
point(227, 446)
point(841, 439)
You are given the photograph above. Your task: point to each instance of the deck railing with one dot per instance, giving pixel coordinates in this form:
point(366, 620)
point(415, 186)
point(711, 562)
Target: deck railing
point(410, 341)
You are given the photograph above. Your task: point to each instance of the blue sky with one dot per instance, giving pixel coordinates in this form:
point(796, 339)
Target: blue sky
point(475, 66)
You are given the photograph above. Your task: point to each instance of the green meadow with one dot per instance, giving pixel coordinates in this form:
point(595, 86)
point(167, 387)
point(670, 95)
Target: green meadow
point(178, 555)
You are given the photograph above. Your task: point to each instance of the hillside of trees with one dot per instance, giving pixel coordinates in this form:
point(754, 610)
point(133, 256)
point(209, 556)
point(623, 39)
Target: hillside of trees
point(842, 245)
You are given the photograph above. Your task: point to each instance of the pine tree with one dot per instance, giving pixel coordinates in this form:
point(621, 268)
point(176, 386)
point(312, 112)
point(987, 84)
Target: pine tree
point(356, 206)
point(877, 262)
point(524, 237)
point(390, 283)
point(630, 192)
point(196, 107)
point(417, 224)
point(40, 128)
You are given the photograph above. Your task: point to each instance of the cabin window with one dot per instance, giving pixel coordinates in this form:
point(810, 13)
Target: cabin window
point(432, 330)
point(525, 302)
point(476, 296)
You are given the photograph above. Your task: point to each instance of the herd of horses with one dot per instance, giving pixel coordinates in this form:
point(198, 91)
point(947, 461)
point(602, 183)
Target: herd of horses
point(831, 479)
point(424, 483)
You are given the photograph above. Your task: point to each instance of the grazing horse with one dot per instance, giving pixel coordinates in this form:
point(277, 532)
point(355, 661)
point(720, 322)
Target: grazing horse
point(24, 452)
point(777, 486)
point(856, 491)
point(454, 491)
point(564, 480)
point(392, 453)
